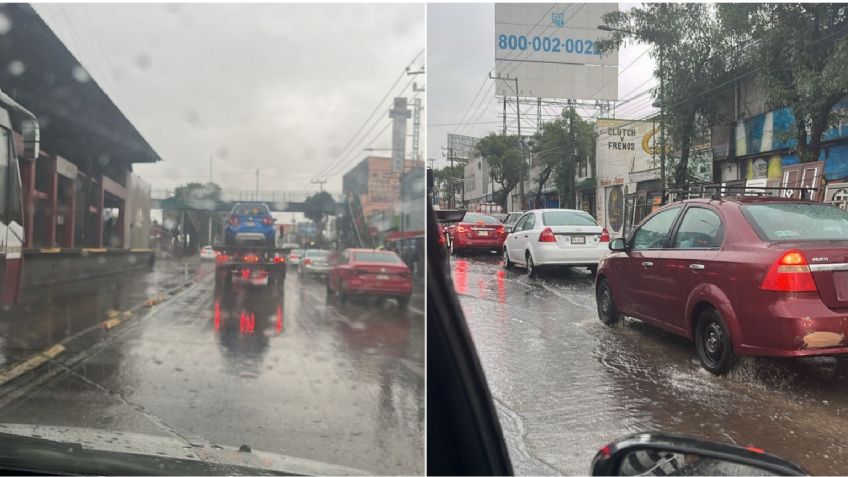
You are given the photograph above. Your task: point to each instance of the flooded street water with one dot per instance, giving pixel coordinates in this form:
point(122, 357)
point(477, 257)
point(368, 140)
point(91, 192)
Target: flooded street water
point(565, 384)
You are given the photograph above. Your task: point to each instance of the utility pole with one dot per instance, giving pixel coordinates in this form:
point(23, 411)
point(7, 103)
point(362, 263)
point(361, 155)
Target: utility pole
point(662, 125)
point(257, 184)
point(520, 142)
point(320, 183)
point(504, 117)
point(538, 114)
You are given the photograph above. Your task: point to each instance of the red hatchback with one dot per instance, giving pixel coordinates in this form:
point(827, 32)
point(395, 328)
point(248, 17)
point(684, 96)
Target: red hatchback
point(370, 272)
point(476, 232)
point(739, 276)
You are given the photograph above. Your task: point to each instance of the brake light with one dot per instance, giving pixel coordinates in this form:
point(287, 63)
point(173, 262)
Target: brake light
point(221, 257)
point(605, 235)
point(501, 230)
point(790, 273)
point(268, 221)
point(461, 229)
point(547, 235)
point(251, 259)
point(234, 220)
point(279, 259)
point(307, 261)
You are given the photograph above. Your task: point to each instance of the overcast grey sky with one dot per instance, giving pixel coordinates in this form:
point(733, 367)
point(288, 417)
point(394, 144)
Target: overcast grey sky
point(461, 53)
point(280, 88)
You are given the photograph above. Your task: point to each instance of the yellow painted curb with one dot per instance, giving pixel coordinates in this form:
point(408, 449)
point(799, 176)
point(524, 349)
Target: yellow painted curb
point(109, 324)
point(94, 250)
point(30, 364)
point(50, 250)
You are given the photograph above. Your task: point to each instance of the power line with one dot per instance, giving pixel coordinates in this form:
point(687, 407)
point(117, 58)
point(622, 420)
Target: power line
point(479, 89)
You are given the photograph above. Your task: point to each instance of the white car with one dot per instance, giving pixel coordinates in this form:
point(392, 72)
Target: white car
point(555, 238)
point(207, 253)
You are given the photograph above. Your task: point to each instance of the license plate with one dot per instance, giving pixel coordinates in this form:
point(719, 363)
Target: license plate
point(483, 233)
point(382, 276)
point(578, 239)
point(250, 224)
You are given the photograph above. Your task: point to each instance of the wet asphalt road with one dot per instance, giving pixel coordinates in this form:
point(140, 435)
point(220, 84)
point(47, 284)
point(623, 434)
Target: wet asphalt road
point(283, 371)
point(565, 384)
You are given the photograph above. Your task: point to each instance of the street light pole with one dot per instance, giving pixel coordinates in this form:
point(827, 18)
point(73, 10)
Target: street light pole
point(520, 143)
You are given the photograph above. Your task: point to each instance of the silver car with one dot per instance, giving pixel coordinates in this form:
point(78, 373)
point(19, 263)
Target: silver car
point(314, 262)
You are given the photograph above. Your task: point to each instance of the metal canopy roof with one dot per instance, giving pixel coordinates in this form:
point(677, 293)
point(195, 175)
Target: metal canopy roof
point(78, 120)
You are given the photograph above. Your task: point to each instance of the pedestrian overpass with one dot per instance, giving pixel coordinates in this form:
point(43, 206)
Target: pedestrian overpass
point(278, 201)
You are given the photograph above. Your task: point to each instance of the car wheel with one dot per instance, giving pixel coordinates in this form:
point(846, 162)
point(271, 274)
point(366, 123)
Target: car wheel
point(507, 263)
point(607, 311)
point(593, 269)
point(403, 301)
point(713, 343)
point(452, 248)
point(532, 269)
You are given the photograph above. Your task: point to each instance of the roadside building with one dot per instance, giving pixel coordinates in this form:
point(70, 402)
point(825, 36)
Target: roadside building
point(376, 184)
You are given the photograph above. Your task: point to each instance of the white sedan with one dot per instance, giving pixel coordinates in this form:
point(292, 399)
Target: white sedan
point(207, 253)
point(555, 238)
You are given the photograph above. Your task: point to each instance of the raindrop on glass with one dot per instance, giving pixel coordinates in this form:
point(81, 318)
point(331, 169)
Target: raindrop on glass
point(16, 68)
point(80, 74)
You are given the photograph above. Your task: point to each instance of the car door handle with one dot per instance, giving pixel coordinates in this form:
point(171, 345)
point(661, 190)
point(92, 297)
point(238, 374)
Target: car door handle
point(696, 266)
point(647, 264)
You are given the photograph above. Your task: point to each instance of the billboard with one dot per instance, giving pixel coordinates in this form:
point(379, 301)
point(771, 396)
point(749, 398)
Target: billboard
point(550, 48)
point(460, 146)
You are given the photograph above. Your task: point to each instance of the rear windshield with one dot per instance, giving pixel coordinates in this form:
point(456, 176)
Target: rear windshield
point(567, 218)
point(794, 221)
point(317, 253)
point(486, 219)
point(376, 257)
point(251, 210)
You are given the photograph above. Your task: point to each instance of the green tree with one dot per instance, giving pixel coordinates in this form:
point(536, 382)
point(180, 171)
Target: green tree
point(450, 176)
point(316, 208)
point(691, 53)
point(501, 153)
point(559, 150)
point(801, 55)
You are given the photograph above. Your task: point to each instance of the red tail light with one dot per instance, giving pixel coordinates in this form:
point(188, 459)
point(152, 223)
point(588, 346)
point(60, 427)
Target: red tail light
point(307, 261)
point(605, 235)
point(234, 220)
point(461, 229)
point(268, 221)
point(279, 259)
point(501, 230)
point(221, 257)
point(790, 274)
point(547, 235)
point(251, 259)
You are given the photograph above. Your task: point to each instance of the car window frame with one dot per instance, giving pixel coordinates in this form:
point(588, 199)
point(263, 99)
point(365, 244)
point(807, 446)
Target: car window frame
point(516, 228)
point(673, 227)
point(679, 221)
point(531, 216)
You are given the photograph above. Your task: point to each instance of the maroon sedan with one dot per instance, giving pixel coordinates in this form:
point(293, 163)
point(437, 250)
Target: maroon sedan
point(739, 276)
point(476, 232)
point(370, 272)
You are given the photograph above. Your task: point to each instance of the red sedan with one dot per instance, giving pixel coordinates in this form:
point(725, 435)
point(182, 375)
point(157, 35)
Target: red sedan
point(476, 232)
point(370, 273)
point(739, 276)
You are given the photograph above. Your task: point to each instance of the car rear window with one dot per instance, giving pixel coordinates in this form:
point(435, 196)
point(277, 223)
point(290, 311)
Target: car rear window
point(784, 222)
point(317, 253)
point(486, 219)
point(251, 210)
point(567, 218)
point(376, 257)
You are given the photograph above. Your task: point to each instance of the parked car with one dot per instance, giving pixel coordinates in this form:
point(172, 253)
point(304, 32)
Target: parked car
point(546, 238)
point(367, 272)
point(314, 262)
point(741, 276)
point(511, 219)
point(208, 253)
point(476, 232)
point(250, 224)
point(295, 256)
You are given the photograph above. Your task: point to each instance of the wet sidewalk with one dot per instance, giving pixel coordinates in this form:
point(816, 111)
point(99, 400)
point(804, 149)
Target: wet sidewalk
point(46, 315)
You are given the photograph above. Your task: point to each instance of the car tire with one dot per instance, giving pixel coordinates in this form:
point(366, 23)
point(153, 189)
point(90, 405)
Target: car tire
point(452, 249)
point(532, 269)
point(593, 269)
point(607, 311)
point(713, 343)
point(507, 263)
point(340, 293)
point(403, 301)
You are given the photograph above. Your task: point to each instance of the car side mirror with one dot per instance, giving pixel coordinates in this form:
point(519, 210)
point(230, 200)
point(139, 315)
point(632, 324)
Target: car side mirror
point(618, 245)
point(640, 454)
